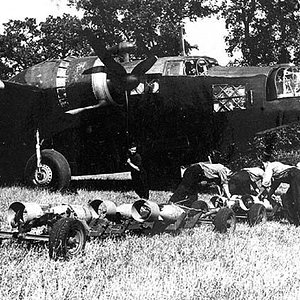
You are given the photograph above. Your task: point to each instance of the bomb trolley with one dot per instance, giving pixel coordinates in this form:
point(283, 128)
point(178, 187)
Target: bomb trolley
point(251, 209)
point(67, 227)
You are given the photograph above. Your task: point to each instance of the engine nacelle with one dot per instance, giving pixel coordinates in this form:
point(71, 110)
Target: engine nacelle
point(76, 84)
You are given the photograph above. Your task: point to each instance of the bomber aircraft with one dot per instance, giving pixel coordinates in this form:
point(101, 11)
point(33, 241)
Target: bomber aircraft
point(216, 108)
point(74, 116)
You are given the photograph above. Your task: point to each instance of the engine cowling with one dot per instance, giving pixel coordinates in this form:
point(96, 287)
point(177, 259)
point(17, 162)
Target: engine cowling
point(75, 83)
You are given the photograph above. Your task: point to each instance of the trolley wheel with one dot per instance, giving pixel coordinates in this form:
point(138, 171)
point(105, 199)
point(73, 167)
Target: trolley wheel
point(225, 220)
point(67, 238)
point(257, 214)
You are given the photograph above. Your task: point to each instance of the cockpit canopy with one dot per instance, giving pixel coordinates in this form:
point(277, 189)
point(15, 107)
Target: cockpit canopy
point(189, 66)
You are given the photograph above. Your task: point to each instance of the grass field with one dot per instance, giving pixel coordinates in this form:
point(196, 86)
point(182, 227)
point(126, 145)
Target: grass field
point(261, 262)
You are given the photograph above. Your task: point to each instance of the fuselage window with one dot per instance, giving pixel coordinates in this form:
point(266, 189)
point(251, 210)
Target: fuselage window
point(227, 97)
point(174, 68)
point(146, 86)
point(202, 67)
point(287, 81)
point(190, 68)
point(194, 67)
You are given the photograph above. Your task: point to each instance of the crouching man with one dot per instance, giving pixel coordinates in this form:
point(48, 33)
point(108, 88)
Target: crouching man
point(277, 173)
point(187, 191)
point(246, 181)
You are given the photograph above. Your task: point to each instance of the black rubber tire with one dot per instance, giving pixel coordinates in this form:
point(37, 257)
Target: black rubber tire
point(67, 238)
point(54, 161)
point(257, 214)
point(225, 220)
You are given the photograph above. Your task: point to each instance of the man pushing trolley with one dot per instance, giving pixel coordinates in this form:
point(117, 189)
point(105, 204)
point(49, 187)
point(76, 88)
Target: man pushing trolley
point(187, 191)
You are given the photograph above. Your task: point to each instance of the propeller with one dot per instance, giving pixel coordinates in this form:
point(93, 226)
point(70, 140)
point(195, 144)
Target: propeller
point(119, 76)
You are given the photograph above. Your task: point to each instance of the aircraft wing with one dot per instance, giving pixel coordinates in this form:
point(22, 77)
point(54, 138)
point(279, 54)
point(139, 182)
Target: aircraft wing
point(24, 108)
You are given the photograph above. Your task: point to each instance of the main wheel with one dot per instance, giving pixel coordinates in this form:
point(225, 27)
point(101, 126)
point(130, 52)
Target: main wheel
point(67, 238)
point(257, 214)
point(225, 220)
point(54, 173)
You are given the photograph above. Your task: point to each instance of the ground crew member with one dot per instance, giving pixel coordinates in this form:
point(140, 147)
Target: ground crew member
point(187, 191)
point(276, 173)
point(138, 173)
point(247, 181)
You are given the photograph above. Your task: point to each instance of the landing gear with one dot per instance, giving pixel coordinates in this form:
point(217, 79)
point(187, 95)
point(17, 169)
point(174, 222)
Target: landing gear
point(53, 173)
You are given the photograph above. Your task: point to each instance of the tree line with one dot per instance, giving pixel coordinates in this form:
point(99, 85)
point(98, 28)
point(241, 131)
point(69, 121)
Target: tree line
point(265, 32)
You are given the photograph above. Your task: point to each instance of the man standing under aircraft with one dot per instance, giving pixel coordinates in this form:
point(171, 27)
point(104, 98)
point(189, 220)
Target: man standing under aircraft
point(187, 191)
point(138, 173)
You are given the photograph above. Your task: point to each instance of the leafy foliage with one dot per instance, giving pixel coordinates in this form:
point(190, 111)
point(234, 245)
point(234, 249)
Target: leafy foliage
point(19, 45)
point(283, 143)
point(264, 31)
point(26, 43)
point(153, 24)
point(62, 36)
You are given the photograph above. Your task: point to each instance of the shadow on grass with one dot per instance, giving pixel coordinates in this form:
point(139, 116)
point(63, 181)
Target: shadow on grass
point(101, 184)
point(158, 184)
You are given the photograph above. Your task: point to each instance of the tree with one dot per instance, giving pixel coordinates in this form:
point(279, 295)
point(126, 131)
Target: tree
point(62, 37)
point(26, 43)
point(154, 25)
point(265, 32)
point(19, 45)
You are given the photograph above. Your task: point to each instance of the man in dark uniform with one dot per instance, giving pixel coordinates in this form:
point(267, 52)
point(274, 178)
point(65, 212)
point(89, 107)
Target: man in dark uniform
point(246, 181)
point(187, 191)
point(277, 173)
point(138, 173)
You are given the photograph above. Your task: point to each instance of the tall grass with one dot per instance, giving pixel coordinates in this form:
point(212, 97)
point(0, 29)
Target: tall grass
point(261, 262)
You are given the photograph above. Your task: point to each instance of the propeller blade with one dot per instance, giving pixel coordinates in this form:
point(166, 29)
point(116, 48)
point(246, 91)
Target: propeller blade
point(144, 66)
point(119, 77)
point(99, 47)
point(93, 70)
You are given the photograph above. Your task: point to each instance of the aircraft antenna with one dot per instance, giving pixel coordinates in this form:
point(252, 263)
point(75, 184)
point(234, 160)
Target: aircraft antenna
point(127, 118)
point(182, 32)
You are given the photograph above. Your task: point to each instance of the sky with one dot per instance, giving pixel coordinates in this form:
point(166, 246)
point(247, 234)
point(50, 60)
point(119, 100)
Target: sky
point(208, 33)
